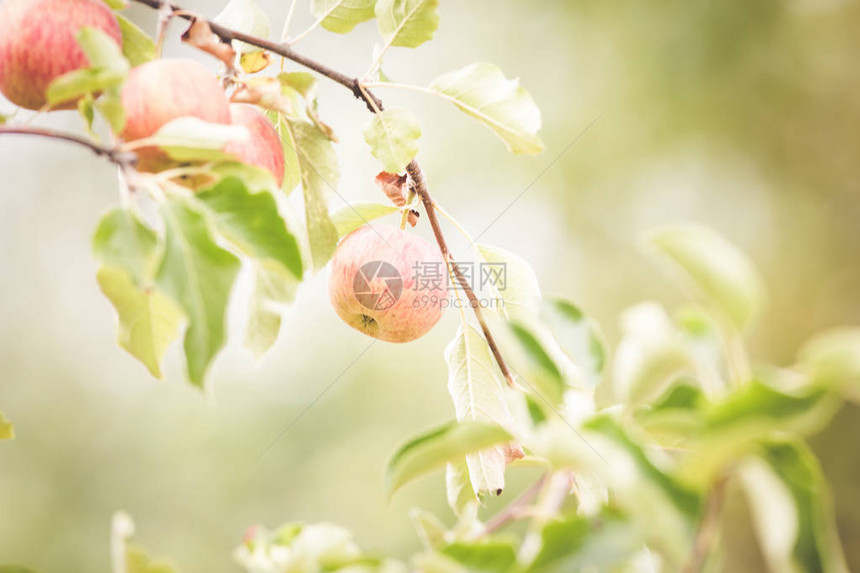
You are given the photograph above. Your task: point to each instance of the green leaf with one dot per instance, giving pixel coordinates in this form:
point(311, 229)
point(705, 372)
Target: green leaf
point(479, 395)
point(720, 272)
point(274, 290)
point(540, 371)
point(353, 215)
point(107, 68)
point(341, 16)
point(751, 414)
point(407, 23)
point(121, 240)
point(650, 357)
point(393, 138)
point(245, 16)
point(86, 107)
point(578, 335)
point(16, 569)
point(116, 4)
point(430, 530)
point(512, 278)
point(792, 510)
point(137, 47)
point(832, 358)
point(111, 108)
point(575, 543)
point(435, 448)
point(482, 91)
point(458, 487)
point(198, 275)
point(138, 560)
point(486, 555)
point(7, 431)
point(192, 139)
point(316, 162)
point(251, 222)
point(148, 321)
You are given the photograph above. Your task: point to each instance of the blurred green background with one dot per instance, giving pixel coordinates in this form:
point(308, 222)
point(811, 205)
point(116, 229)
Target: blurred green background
point(743, 115)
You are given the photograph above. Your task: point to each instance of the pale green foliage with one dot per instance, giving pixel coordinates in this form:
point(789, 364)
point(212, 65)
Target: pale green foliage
point(717, 270)
point(274, 291)
point(107, 69)
point(521, 291)
point(198, 275)
point(192, 139)
point(341, 16)
point(7, 430)
point(479, 395)
point(312, 154)
point(833, 358)
point(350, 217)
point(148, 321)
point(252, 223)
point(137, 47)
point(437, 447)
point(482, 91)
point(578, 335)
point(393, 138)
point(407, 23)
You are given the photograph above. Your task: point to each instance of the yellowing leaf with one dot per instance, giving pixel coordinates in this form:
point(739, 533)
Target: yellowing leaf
point(148, 321)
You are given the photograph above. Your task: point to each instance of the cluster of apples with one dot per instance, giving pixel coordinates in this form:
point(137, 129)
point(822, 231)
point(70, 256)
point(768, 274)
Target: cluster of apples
point(38, 45)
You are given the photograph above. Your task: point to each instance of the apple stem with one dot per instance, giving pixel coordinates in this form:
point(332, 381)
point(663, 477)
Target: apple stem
point(374, 105)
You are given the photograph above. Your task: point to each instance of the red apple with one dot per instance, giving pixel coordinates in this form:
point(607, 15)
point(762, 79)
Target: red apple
point(38, 44)
point(163, 90)
point(387, 283)
point(263, 148)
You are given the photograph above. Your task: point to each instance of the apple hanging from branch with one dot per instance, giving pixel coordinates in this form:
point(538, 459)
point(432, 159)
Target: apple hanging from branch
point(387, 283)
point(38, 44)
point(163, 90)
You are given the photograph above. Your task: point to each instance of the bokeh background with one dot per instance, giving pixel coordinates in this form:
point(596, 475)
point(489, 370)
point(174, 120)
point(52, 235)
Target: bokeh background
point(743, 115)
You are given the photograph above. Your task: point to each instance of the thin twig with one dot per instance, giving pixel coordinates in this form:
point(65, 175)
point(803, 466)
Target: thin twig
point(123, 159)
point(515, 509)
point(708, 528)
point(374, 104)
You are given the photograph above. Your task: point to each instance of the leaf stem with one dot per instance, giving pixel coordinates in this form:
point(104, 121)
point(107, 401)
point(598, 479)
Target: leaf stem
point(708, 528)
point(286, 30)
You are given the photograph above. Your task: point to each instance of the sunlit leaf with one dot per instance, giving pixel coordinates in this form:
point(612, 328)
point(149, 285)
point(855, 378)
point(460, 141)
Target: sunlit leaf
point(510, 277)
point(148, 321)
point(350, 217)
point(832, 358)
point(121, 240)
point(488, 555)
point(192, 139)
point(429, 528)
point(479, 395)
point(137, 47)
point(314, 158)
point(650, 356)
point(579, 336)
point(792, 511)
point(574, 543)
point(393, 138)
point(198, 275)
point(482, 91)
point(751, 414)
point(458, 486)
point(407, 23)
point(341, 16)
point(252, 223)
point(274, 291)
point(434, 449)
point(716, 268)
